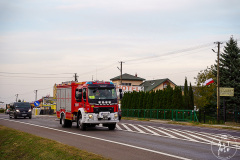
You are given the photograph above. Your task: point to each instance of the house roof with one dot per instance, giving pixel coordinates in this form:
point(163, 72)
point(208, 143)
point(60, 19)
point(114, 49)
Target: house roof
point(151, 84)
point(126, 76)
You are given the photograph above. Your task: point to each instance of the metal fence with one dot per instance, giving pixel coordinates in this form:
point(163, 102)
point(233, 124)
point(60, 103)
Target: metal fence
point(171, 114)
point(211, 117)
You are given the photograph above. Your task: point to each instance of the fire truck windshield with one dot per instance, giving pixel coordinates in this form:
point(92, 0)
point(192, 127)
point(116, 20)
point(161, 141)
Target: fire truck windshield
point(102, 93)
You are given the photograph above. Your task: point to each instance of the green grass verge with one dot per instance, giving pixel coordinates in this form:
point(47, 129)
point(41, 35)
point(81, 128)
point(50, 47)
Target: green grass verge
point(20, 145)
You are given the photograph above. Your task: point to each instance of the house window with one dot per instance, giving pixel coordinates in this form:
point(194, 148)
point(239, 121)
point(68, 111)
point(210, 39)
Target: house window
point(126, 84)
point(165, 86)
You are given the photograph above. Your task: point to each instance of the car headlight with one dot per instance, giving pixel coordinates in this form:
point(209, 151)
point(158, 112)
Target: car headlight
point(17, 110)
point(29, 110)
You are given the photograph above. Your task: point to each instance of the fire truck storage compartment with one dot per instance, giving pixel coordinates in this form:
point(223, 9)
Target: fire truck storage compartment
point(58, 107)
point(64, 99)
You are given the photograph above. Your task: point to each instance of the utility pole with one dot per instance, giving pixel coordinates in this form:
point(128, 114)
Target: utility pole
point(75, 76)
point(121, 62)
point(218, 80)
point(16, 97)
point(35, 91)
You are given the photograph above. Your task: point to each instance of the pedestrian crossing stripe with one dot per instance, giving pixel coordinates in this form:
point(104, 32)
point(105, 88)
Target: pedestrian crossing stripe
point(200, 137)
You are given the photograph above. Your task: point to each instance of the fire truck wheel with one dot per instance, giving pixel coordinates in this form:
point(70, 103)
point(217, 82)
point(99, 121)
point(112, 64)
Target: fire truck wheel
point(63, 120)
point(111, 126)
point(69, 123)
point(81, 126)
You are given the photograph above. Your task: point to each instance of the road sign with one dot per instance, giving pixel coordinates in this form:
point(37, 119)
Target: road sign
point(226, 91)
point(36, 103)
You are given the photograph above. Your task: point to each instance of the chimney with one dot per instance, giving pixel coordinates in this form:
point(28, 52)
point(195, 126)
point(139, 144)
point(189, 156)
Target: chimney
point(135, 74)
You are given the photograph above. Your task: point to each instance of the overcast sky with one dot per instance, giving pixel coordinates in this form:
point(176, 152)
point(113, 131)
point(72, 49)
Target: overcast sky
point(43, 42)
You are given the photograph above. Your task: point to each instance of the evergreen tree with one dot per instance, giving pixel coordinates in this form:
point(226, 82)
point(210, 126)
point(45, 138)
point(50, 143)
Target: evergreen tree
point(186, 95)
point(169, 96)
point(129, 100)
point(150, 100)
point(163, 100)
point(145, 100)
point(141, 99)
point(160, 99)
point(177, 98)
point(191, 98)
point(229, 67)
point(155, 100)
point(125, 99)
point(134, 99)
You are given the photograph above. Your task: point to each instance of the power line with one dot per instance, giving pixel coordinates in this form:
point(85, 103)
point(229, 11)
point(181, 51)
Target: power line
point(99, 69)
point(35, 73)
point(31, 76)
point(174, 73)
point(172, 52)
point(157, 58)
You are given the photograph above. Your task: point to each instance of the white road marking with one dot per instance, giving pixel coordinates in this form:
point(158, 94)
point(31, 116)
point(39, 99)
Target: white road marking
point(197, 137)
point(101, 139)
point(128, 129)
point(210, 136)
point(181, 135)
point(154, 133)
point(139, 130)
point(119, 128)
point(162, 132)
point(204, 141)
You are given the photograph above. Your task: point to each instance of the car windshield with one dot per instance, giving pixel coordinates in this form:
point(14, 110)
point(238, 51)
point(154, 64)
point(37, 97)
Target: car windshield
point(102, 93)
point(22, 105)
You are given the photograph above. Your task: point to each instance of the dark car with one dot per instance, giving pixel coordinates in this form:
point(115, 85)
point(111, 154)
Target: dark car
point(20, 109)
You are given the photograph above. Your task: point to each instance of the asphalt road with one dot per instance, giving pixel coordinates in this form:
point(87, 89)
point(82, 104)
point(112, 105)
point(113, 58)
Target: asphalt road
point(133, 140)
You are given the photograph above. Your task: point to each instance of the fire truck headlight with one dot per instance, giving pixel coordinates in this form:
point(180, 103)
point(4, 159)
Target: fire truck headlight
point(90, 116)
point(115, 116)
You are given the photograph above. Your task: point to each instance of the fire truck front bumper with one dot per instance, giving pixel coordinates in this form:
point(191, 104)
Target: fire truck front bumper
point(100, 118)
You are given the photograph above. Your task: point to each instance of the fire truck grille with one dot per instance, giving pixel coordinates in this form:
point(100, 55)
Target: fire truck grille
point(103, 109)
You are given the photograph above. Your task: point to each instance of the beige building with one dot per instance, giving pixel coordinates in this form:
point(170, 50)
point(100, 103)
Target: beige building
point(149, 85)
point(158, 84)
point(128, 80)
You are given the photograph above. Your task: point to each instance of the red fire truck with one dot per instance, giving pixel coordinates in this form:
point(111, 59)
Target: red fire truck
point(87, 103)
